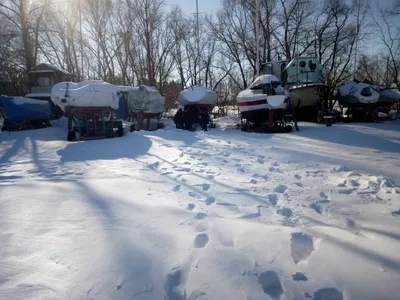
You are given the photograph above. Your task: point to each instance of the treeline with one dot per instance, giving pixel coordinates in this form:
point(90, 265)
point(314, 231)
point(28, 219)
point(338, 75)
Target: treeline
point(148, 42)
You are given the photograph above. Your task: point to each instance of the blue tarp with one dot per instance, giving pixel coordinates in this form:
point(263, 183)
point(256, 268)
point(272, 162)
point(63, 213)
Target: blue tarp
point(18, 109)
point(122, 111)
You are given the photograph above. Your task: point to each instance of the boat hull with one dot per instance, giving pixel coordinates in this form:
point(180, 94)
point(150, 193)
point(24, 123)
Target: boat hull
point(306, 95)
point(85, 94)
point(146, 100)
point(257, 109)
point(357, 95)
point(388, 97)
point(197, 95)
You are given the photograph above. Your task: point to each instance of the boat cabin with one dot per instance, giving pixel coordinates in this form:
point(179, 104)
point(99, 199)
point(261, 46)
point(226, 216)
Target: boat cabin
point(305, 69)
point(43, 77)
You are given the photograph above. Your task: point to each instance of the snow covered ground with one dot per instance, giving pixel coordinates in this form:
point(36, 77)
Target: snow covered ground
point(225, 214)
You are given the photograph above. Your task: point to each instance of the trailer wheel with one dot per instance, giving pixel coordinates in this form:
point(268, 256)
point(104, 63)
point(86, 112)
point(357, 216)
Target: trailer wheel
point(120, 131)
point(71, 136)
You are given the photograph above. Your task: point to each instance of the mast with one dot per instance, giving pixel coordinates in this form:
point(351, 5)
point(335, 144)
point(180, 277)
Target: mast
point(197, 42)
point(80, 37)
point(257, 8)
point(357, 33)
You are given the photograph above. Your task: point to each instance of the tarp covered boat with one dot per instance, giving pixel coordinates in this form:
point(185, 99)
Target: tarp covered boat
point(91, 93)
point(197, 95)
point(18, 109)
point(145, 99)
point(357, 94)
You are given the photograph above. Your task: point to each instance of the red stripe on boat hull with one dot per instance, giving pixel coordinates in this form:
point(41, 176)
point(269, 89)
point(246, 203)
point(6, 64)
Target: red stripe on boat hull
point(252, 103)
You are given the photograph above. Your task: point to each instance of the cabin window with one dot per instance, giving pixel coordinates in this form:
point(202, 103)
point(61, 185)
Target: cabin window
point(42, 81)
point(302, 64)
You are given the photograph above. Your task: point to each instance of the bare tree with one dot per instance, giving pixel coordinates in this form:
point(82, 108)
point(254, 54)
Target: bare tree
point(390, 37)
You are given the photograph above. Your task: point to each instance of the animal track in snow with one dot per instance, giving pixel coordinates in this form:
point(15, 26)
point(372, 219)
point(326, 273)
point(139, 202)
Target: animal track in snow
point(328, 294)
point(270, 284)
point(301, 246)
point(260, 161)
point(253, 181)
point(201, 240)
point(190, 206)
point(298, 177)
point(281, 189)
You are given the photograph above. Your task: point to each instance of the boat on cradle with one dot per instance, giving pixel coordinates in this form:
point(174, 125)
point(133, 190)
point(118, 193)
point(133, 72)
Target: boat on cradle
point(146, 99)
point(197, 95)
point(90, 93)
point(21, 113)
point(354, 94)
point(387, 97)
point(264, 104)
point(303, 77)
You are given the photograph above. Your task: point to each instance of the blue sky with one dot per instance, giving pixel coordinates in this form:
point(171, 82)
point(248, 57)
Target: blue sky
point(189, 6)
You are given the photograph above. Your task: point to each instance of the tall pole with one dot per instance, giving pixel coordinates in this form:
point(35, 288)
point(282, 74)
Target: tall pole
point(257, 7)
point(357, 33)
point(197, 41)
point(80, 37)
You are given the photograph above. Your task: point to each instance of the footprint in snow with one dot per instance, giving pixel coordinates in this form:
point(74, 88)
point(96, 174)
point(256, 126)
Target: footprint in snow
point(281, 188)
point(174, 286)
point(298, 276)
point(253, 181)
point(261, 161)
point(298, 177)
point(200, 216)
point(273, 199)
point(177, 188)
point(206, 187)
point(194, 195)
point(302, 246)
point(190, 206)
point(154, 165)
point(328, 294)
point(201, 240)
point(316, 207)
point(271, 284)
point(284, 211)
point(323, 195)
point(210, 200)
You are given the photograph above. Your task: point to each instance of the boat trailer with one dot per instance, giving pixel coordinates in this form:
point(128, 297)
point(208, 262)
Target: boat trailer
point(277, 122)
point(92, 123)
